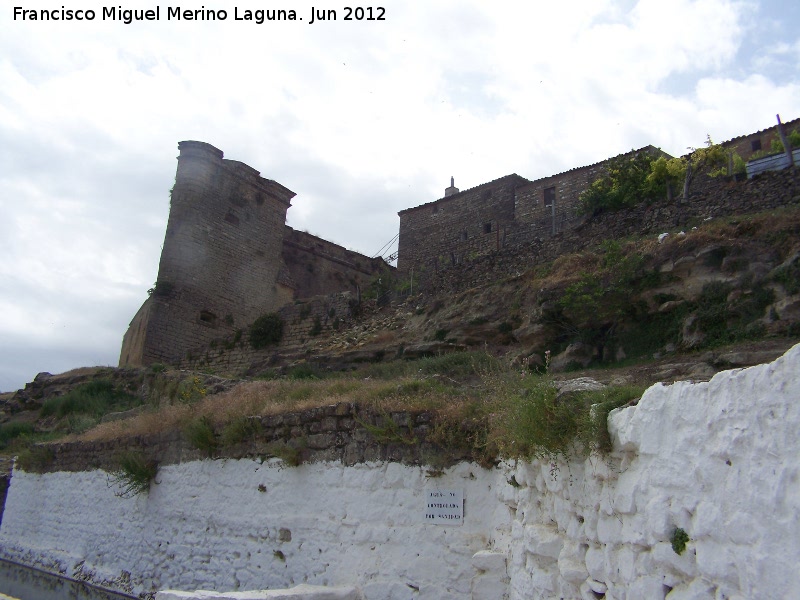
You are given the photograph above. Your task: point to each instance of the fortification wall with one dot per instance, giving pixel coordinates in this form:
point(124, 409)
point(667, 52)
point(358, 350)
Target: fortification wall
point(716, 460)
point(318, 267)
point(303, 320)
point(228, 258)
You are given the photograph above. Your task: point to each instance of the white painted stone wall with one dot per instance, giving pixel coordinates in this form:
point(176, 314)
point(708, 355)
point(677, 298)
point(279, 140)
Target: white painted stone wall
point(719, 459)
point(206, 525)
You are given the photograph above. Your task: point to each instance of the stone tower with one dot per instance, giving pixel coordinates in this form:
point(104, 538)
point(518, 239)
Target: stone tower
point(220, 261)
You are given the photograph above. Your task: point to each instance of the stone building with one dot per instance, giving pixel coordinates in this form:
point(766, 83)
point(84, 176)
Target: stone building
point(229, 257)
point(510, 211)
point(513, 211)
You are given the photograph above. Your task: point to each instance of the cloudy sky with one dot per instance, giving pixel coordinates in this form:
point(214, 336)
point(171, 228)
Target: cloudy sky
point(360, 118)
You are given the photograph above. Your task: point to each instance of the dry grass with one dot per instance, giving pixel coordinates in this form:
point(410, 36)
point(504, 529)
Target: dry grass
point(259, 398)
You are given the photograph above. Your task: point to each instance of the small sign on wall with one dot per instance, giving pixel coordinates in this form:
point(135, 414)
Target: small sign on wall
point(444, 507)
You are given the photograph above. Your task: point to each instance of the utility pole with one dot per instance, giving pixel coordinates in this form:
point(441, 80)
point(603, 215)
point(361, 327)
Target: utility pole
point(786, 146)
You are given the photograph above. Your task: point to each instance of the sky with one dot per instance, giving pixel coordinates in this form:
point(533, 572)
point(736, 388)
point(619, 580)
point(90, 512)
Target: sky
point(361, 118)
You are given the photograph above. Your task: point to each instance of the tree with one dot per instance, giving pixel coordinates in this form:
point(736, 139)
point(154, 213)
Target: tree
point(711, 160)
point(624, 183)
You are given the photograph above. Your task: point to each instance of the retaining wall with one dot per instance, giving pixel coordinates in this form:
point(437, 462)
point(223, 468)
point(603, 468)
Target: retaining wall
point(717, 460)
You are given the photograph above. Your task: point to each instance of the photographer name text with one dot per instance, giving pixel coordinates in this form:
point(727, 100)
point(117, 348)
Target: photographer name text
point(258, 16)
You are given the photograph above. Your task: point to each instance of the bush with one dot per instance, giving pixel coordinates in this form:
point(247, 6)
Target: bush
point(625, 183)
point(11, 431)
point(240, 430)
point(266, 330)
point(200, 434)
point(94, 398)
point(134, 474)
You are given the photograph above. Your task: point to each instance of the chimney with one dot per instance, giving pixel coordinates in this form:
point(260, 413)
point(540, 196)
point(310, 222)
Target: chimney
point(451, 190)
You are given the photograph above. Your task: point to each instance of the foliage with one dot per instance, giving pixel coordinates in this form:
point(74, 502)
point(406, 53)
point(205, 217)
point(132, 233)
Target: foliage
point(161, 289)
point(35, 458)
point(712, 160)
point(289, 454)
point(776, 146)
point(241, 429)
point(593, 423)
point(266, 330)
point(534, 421)
point(95, 398)
point(679, 539)
point(625, 183)
point(723, 321)
point(788, 276)
point(200, 433)
point(387, 431)
point(191, 390)
point(11, 431)
point(133, 475)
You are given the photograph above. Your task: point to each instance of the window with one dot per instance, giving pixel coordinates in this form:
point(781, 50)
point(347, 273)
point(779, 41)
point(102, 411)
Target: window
point(755, 145)
point(464, 236)
point(487, 227)
point(435, 208)
point(207, 317)
point(549, 196)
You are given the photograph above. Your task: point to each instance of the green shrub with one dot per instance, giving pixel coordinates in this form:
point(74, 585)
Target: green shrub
point(94, 398)
point(266, 330)
point(538, 425)
point(11, 431)
point(35, 458)
point(593, 424)
point(200, 433)
point(161, 289)
point(133, 475)
point(240, 430)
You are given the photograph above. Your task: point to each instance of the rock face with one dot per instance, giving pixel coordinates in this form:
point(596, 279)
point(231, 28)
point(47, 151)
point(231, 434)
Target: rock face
point(713, 463)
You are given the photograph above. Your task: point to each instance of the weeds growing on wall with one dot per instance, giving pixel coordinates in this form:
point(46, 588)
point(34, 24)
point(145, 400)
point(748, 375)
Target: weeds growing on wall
point(200, 433)
point(133, 475)
point(679, 539)
point(239, 430)
point(34, 458)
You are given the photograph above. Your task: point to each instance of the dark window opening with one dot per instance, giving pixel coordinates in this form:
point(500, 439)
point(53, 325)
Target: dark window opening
point(487, 228)
point(755, 145)
point(549, 196)
point(232, 218)
point(207, 317)
point(464, 236)
point(260, 199)
point(435, 208)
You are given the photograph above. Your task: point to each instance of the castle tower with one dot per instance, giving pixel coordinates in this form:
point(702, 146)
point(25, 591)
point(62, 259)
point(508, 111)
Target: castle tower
point(220, 261)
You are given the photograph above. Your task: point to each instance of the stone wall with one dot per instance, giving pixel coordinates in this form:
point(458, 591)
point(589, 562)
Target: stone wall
point(316, 266)
point(508, 212)
point(714, 460)
point(710, 198)
point(303, 320)
point(459, 226)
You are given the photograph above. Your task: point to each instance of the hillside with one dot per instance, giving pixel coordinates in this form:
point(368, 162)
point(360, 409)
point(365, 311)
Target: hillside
point(628, 312)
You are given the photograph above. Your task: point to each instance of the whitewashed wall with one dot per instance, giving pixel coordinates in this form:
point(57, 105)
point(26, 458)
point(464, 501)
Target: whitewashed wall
point(719, 459)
